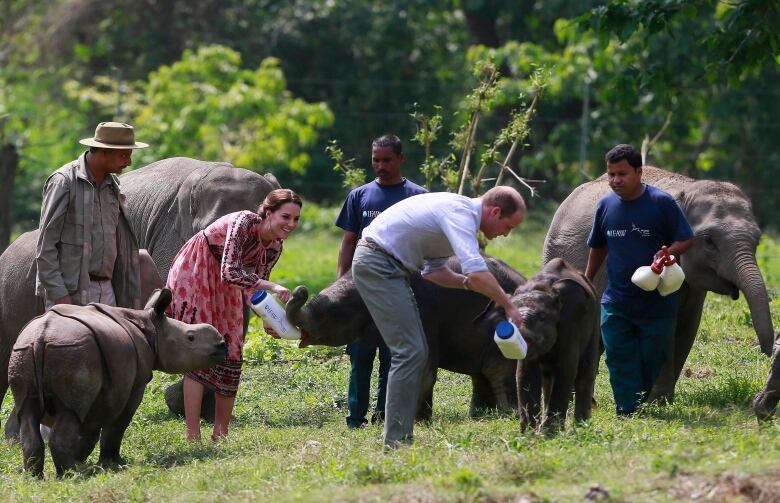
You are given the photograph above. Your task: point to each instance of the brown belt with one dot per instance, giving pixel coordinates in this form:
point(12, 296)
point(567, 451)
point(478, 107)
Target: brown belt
point(376, 247)
point(95, 277)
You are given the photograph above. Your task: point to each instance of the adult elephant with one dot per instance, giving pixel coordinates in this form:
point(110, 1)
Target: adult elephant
point(170, 200)
point(722, 260)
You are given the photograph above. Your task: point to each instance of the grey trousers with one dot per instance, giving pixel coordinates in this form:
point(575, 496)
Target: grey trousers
point(384, 285)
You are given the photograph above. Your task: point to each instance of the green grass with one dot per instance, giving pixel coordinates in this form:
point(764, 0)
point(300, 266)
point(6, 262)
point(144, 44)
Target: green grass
point(288, 441)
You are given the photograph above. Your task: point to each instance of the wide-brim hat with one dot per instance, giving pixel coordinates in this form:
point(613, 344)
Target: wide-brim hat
point(113, 135)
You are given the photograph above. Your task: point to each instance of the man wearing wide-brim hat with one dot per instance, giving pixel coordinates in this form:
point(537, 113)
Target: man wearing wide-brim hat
point(86, 250)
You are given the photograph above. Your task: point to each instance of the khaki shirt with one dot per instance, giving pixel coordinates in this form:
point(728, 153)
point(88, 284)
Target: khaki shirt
point(105, 218)
point(65, 244)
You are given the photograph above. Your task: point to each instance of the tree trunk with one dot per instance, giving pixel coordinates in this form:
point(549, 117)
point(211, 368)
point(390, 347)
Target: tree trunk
point(9, 162)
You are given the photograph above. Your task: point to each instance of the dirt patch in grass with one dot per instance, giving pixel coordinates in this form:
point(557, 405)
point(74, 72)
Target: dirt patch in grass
point(759, 488)
point(697, 373)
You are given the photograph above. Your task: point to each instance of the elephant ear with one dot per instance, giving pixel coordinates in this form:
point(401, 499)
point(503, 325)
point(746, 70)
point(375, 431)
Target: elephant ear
point(185, 205)
point(159, 301)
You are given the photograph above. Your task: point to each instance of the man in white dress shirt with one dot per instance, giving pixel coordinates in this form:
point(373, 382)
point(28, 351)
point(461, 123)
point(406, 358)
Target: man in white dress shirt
point(419, 234)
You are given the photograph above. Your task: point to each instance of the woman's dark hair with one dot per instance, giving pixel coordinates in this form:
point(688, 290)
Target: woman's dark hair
point(277, 198)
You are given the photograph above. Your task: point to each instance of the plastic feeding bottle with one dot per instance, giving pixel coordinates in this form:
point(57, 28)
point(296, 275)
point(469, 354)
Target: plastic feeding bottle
point(647, 277)
point(268, 308)
point(510, 341)
point(672, 277)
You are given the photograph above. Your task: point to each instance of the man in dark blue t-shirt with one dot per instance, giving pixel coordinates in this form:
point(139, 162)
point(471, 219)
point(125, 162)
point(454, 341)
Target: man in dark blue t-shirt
point(363, 204)
point(631, 225)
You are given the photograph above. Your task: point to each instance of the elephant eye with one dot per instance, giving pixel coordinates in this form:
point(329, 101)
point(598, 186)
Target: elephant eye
point(190, 338)
point(708, 242)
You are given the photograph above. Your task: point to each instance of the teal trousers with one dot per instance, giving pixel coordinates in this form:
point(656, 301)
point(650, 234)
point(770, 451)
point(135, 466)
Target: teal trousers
point(636, 349)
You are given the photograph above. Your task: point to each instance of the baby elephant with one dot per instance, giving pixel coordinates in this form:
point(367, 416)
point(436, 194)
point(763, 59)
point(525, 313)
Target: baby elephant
point(560, 324)
point(83, 370)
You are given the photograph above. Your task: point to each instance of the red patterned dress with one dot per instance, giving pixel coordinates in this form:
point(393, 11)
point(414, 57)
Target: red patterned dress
point(212, 278)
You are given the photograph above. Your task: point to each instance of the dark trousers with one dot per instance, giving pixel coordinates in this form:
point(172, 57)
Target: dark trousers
point(361, 357)
point(636, 349)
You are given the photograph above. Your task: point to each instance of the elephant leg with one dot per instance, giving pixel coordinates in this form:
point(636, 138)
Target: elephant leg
point(65, 439)
point(174, 399)
point(529, 393)
point(28, 418)
point(501, 376)
point(482, 397)
point(688, 320)
point(425, 401)
point(12, 426)
point(585, 381)
point(765, 402)
point(556, 403)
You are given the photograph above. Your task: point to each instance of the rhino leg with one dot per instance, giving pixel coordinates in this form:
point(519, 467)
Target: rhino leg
point(112, 434)
point(65, 439)
point(86, 444)
point(529, 393)
point(29, 417)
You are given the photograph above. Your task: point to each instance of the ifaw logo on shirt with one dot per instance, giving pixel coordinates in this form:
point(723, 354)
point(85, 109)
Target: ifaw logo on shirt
point(645, 233)
point(621, 233)
point(371, 213)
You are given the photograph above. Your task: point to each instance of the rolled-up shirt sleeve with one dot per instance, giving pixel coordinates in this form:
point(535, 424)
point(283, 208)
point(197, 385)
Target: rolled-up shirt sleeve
point(55, 205)
point(462, 235)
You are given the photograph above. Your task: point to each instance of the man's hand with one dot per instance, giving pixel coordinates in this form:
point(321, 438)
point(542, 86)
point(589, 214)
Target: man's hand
point(513, 314)
point(64, 300)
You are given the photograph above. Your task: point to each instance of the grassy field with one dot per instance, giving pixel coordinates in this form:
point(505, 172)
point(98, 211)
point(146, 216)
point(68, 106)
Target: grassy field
point(289, 441)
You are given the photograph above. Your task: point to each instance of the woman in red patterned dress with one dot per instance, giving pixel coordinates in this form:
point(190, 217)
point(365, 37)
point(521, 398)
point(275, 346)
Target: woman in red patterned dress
point(212, 278)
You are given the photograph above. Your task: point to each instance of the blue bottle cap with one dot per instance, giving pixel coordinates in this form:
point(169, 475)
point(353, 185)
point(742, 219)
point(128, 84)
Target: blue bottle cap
point(258, 296)
point(505, 329)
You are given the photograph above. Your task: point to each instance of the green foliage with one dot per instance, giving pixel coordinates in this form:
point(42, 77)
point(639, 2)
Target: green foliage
point(353, 177)
point(207, 106)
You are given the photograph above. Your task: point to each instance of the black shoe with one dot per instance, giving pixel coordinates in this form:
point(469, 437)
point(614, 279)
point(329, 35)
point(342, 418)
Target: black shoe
point(378, 417)
point(354, 425)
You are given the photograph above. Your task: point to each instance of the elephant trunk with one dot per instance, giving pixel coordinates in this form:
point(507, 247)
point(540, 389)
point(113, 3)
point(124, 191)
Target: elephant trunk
point(297, 314)
point(751, 284)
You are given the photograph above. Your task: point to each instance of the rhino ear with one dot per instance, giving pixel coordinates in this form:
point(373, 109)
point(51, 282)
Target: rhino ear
point(159, 301)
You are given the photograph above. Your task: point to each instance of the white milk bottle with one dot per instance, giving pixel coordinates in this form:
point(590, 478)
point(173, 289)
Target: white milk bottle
point(268, 308)
point(647, 277)
point(671, 278)
point(510, 341)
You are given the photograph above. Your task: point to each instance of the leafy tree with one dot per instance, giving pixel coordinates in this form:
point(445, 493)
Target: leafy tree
point(207, 106)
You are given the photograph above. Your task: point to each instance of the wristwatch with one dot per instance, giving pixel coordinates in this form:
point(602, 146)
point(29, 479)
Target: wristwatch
point(466, 282)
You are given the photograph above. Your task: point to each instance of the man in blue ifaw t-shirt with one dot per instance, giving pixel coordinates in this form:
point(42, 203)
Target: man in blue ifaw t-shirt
point(363, 204)
point(630, 227)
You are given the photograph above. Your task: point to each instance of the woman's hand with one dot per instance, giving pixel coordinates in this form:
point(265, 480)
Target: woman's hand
point(284, 294)
point(270, 330)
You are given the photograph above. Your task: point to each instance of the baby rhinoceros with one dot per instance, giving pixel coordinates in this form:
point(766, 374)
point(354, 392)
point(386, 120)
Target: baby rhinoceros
point(560, 324)
point(83, 370)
